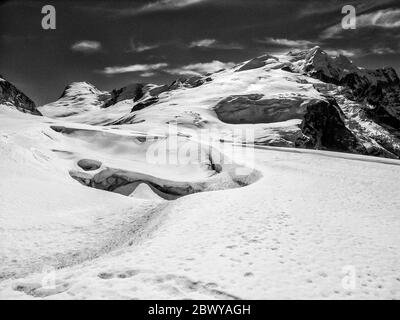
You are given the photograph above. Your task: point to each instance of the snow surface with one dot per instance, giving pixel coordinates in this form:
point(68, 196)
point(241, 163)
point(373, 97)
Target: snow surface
point(291, 233)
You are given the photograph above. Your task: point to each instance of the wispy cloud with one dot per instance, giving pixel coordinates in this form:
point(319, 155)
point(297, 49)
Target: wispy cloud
point(132, 10)
point(345, 52)
point(389, 18)
point(141, 47)
point(197, 69)
point(147, 74)
point(168, 4)
point(384, 51)
point(145, 68)
point(215, 44)
point(202, 43)
point(86, 46)
point(356, 52)
point(299, 44)
point(329, 6)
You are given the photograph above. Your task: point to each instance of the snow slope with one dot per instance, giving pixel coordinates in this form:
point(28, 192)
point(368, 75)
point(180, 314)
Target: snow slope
point(290, 234)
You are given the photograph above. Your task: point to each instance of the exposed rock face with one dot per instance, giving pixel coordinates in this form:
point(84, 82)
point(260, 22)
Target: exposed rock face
point(191, 82)
point(10, 95)
point(254, 109)
point(325, 129)
point(137, 91)
point(256, 63)
point(144, 103)
point(134, 92)
point(380, 88)
point(322, 126)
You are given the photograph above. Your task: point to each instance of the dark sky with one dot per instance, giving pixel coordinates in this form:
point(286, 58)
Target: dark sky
point(113, 43)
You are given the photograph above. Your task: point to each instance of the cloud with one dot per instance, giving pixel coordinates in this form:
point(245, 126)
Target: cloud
point(145, 68)
point(387, 19)
point(154, 6)
point(202, 43)
point(344, 52)
point(214, 44)
point(140, 47)
point(361, 52)
point(197, 69)
point(86, 46)
point(325, 7)
point(168, 5)
point(148, 70)
point(147, 74)
point(383, 51)
point(303, 44)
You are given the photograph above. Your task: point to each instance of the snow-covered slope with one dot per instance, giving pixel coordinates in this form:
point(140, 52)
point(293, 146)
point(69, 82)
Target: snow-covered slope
point(302, 223)
point(40, 163)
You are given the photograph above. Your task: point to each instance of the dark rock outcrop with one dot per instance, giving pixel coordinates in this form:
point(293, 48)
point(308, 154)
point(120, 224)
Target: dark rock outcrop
point(324, 128)
point(134, 92)
point(256, 63)
point(9, 94)
point(191, 82)
point(253, 108)
point(145, 103)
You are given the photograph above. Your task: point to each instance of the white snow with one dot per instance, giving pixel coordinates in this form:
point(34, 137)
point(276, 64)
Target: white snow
point(143, 191)
point(291, 234)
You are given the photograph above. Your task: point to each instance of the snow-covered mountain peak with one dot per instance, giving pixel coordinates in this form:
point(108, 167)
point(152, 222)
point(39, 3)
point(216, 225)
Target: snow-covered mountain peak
point(318, 63)
point(80, 88)
point(77, 98)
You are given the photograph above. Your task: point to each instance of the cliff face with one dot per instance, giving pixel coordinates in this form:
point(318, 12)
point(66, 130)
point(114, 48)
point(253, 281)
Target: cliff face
point(380, 88)
point(324, 127)
point(11, 96)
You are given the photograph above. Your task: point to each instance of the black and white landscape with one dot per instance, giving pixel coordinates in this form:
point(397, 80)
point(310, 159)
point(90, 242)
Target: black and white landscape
point(255, 172)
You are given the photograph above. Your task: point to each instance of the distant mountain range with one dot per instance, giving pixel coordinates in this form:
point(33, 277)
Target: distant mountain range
point(304, 99)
